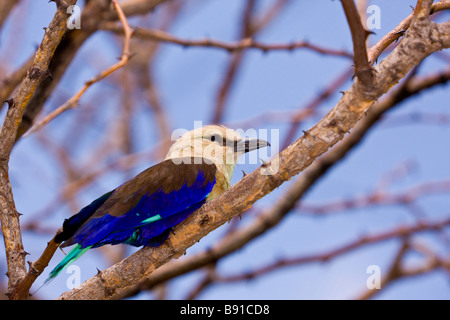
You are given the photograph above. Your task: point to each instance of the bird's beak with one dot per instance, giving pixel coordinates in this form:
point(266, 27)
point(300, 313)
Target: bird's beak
point(248, 144)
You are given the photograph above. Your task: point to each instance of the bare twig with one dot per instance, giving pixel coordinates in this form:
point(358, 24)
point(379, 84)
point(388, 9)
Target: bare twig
point(234, 63)
point(299, 155)
point(10, 82)
point(398, 270)
point(73, 102)
point(274, 215)
point(381, 197)
point(423, 9)
point(246, 43)
point(397, 232)
point(21, 291)
point(249, 29)
point(363, 70)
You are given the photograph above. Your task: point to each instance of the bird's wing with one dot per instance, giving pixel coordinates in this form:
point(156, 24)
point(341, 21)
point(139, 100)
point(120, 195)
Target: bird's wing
point(150, 234)
point(72, 224)
point(162, 195)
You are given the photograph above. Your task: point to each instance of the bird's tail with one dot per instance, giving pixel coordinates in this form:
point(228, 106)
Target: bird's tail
point(73, 255)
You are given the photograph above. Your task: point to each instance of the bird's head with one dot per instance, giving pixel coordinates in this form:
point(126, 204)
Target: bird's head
point(221, 145)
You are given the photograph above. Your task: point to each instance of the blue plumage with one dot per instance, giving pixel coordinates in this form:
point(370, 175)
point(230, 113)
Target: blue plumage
point(141, 212)
point(158, 205)
point(148, 234)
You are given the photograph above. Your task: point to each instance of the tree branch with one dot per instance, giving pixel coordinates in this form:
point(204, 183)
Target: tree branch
point(5, 9)
point(422, 39)
point(10, 82)
point(93, 13)
point(397, 232)
point(398, 271)
point(22, 289)
point(271, 217)
point(399, 31)
point(246, 43)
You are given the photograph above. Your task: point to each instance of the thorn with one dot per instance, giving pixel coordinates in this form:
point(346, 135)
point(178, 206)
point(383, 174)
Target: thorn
point(99, 271)
point(400, 34)
point(34, 73)
point(24, 253)
point(10, 102)
point(264, 163)
point(49, 75)
point(243, 173)
point(343, 92)
point(305, 132)
point(369, 32)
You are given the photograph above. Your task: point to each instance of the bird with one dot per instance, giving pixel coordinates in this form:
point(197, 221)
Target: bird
point(142, 211)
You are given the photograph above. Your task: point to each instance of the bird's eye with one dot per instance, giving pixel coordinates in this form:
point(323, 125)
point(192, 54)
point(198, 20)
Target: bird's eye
point(213, 138)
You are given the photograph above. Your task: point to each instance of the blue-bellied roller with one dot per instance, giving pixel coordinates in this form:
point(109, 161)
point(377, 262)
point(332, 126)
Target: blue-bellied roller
point(143, 210)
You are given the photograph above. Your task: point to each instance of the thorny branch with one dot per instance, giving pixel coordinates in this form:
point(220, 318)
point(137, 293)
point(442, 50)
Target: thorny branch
point(363, 70)
point(73, 101)
point(15, 253)
point(398, 232)
point(392, 36)
point(290, 199)
point(327, 132)
point(298, 156)
point(246, 43)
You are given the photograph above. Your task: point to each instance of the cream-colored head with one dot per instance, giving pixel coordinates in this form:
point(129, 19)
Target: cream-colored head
point(218, 144)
